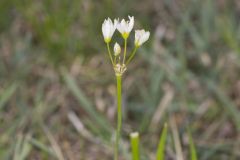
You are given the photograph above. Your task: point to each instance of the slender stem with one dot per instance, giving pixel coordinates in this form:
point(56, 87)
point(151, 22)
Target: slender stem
point(115, 59)
point(119, 114)
point(132, 55)
point(125, 50)
point(109, 53)
point(119, 59)
point(135, 145)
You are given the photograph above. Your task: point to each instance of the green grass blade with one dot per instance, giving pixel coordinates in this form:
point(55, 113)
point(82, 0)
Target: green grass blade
point(42, 147)
point(85, 103)
point(227, 104)
point(22, 148)
point(6, 94)
point(192, 146)
point(162, 142)
point(135, 145)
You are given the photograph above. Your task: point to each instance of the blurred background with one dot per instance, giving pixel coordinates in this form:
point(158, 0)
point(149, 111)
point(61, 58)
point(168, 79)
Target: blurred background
point(57, 87)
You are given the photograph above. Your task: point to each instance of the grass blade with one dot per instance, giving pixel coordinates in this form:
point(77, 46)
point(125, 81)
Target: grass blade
point(7, 93)
point(176, 139)
point(22, 148)
point(85, 103)
point(192, 146)
point(162, 142)
point(227, 104)
point(42, 147)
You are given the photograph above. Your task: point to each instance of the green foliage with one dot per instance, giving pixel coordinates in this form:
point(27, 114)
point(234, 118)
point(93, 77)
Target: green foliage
point(63, 30)
point(105, 127)
point(161, 146)
point(192, 146)
point(22, 148)
point(6, 18)
point(162, 143)
point(6, 94)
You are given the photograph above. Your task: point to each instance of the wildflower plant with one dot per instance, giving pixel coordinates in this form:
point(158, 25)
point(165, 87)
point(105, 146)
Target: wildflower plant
point(120, 59)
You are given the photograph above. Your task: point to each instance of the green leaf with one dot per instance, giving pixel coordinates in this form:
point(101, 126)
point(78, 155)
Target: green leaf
point(192, 146)
point(162, 142)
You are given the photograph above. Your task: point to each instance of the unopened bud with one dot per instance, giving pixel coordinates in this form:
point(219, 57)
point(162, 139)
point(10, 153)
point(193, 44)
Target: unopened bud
point(117, 49)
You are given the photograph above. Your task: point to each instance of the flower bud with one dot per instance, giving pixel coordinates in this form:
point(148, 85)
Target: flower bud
point(117, 49)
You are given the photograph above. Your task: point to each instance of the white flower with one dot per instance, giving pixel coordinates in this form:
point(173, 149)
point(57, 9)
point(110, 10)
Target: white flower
point(125, 27)
point(108, 28)
point(141, 36)
point(117, 49)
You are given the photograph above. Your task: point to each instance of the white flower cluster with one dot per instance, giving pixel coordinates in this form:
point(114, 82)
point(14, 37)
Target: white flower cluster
point(124, 27)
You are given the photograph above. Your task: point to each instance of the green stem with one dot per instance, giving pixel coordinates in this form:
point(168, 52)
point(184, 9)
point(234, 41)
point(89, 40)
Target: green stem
point(125, 50)
point(132, 55)
point(119, 114)
point(109, 53)
point(135, 145)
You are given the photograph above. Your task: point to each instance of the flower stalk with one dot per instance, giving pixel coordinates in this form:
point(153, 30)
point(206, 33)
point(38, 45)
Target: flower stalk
point(119, 114)
point(110, 54)
point(132, 55)
point(135, 145)
point(118, 61)
point(125, 50)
